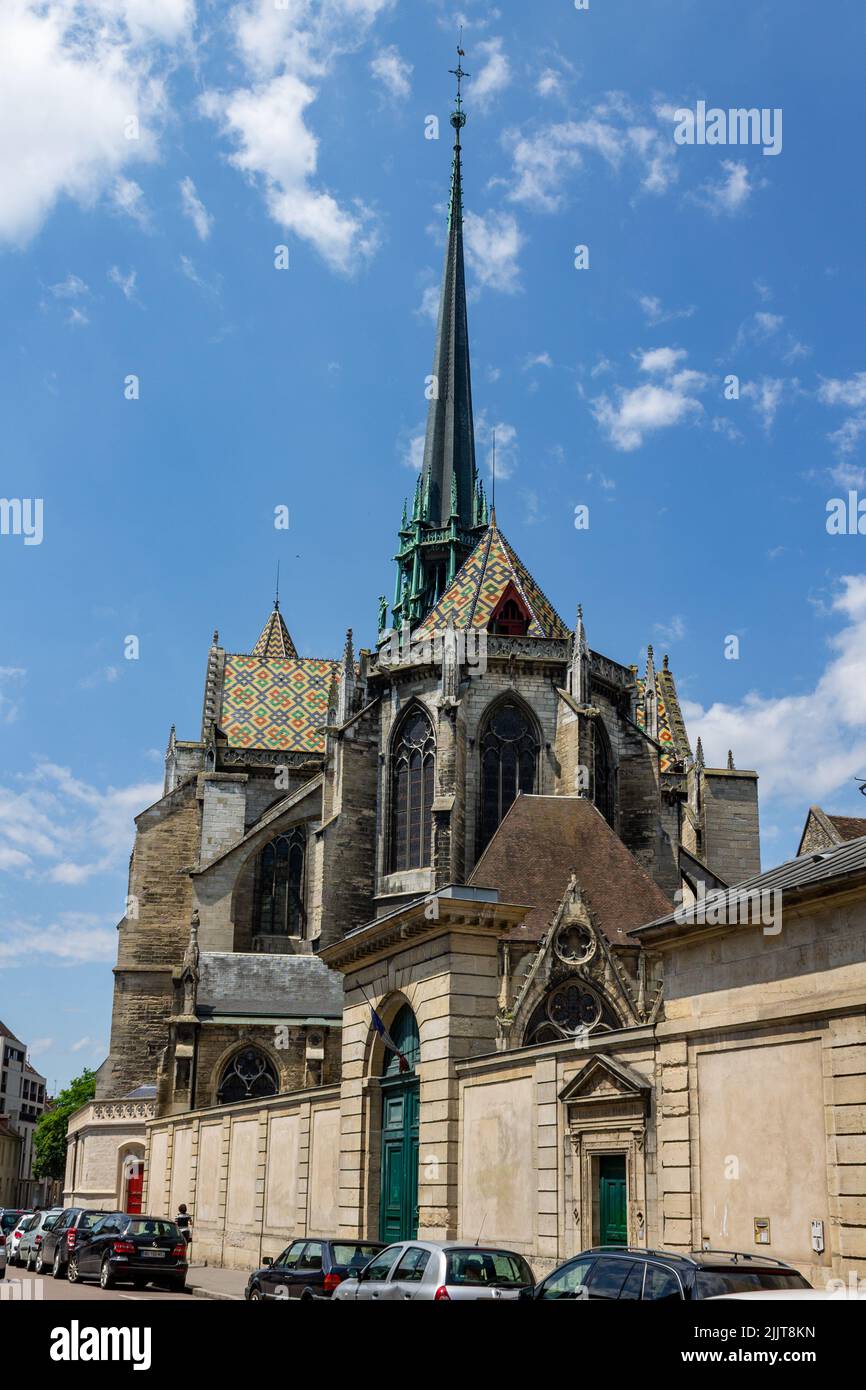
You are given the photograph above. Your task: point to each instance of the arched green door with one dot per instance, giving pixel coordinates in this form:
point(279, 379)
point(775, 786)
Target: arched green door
point(398, 1211)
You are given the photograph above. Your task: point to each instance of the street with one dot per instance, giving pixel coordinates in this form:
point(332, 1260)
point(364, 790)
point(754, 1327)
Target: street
point(29, 1287)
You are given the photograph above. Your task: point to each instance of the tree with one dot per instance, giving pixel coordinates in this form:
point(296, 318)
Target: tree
point(49, 1140)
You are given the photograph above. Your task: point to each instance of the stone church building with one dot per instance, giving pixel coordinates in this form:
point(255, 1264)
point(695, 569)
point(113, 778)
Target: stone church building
point(479, 826)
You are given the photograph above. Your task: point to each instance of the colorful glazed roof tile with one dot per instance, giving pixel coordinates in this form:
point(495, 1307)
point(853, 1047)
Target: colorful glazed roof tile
point(279, 703)
point(478, 586)
point(274, 639)
point(672, 730)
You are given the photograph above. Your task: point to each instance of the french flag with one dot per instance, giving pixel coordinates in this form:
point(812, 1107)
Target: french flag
point(388, 1040)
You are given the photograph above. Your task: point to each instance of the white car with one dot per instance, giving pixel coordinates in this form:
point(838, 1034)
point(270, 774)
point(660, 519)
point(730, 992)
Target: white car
point(842, 1294)
point(2, 1255)
point(13, 1239)
point(432, 1270)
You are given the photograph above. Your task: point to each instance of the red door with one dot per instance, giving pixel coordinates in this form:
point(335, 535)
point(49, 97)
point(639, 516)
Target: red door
point(134, 1184)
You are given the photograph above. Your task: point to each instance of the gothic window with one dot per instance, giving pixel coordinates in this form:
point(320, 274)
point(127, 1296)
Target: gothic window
point(604, 777)
point(279, 897)
point(570, 1009)
point(509, 755)
point(247, 1076)
point(413, 763)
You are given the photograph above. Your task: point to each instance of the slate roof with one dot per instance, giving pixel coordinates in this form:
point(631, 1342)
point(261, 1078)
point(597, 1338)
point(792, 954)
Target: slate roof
point(472, 596)
point(542, 841)
point(830, 866)
point(276, 703)
point(268, 986)
point(848, 827)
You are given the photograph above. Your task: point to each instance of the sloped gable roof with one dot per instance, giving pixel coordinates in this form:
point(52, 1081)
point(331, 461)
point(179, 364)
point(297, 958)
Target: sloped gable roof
point(474, 593)
point(542, 841)
point(274, 639)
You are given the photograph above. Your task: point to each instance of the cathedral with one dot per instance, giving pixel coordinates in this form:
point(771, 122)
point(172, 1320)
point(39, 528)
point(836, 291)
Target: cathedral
point(386, 965)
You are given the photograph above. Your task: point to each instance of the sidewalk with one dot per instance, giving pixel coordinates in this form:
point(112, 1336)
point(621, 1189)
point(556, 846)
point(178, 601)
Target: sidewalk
point(207, 1281)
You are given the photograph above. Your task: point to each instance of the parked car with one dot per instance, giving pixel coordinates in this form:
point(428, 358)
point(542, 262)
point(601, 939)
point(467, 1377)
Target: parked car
point(30, 1244)
point(124, 1249)
point(660, 1276)
point(309, 1269)
point(431, 1270)
point(2, 1253)
point(63, 1236)
point(13, 1236)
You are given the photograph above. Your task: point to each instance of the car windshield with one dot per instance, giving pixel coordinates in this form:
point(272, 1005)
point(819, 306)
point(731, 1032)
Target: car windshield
point(88, 1219)
point(352, 1255)
point(489, 1267)
point(151, 1227)
point(713, 1282)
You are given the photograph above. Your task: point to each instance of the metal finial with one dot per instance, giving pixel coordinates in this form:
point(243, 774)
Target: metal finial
point(458, 115)
point(277, 594)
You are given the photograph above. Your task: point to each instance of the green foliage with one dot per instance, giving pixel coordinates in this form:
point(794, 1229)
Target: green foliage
point(49, 1141)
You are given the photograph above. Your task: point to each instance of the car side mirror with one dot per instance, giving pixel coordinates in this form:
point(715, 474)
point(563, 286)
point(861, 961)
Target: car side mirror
point(268, 1260)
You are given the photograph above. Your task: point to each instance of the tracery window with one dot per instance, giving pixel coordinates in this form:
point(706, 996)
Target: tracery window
point(279, 896)
point(570, 1009)
point(413, 765)
point(509, 757)
point(247, 1075)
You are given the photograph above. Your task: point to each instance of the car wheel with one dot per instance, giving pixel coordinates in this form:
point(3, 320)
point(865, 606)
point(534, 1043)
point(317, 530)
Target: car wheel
point(106, 1278)
point(73, 1273)
point(255, 1294)
point(57, 1267)
point(177, 1285)
point(28, 1263)
point(39, 1263)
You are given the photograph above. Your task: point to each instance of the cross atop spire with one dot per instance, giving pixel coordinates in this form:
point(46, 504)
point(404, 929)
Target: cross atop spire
point(450, 510)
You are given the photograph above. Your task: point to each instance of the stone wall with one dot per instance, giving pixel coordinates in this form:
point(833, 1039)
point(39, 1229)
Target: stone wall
point(152, 939)
point(730, 815)
point(253, 1175)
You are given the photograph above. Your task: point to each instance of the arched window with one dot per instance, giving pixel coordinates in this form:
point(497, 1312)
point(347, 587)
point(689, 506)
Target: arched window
point(247, 1075)
point(279, 897)
point(404, 1033)
point(604, 794)
point(571, 1009)
point(509, 756)
point(413, 763)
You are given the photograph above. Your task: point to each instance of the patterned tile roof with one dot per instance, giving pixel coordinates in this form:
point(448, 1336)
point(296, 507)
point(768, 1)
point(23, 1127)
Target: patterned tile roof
point(275, 639)
point(279, 703)
point(672, 729)
point(480, 583)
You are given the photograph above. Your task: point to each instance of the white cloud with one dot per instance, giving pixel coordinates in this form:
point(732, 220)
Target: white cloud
point(393, 72)
point(194, 208)
point(65, 830)
point(507, 449)
point(537, 359)
point(674, 631)
point(410, 446)
point(551, 84)
point(72, 938)
point(73, 287)
point(72, 73)
point(766, 396)
point(493, 244)
point(274, 147)
point(11, 679)
point(730, 194)
point(631, 414)
point(662, 359)
point(656, 313)
point(807, 746)
point(127, 197)
point(851, 392)
point(492, 76)
point(429, 306)
point(125, 283)
point(285, 52)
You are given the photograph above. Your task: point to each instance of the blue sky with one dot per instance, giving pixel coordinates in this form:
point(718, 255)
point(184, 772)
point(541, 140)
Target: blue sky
point(261, 124)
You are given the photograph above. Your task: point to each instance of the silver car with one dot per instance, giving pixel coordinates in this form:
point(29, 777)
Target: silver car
point(433, 1270)
point(30, 1245)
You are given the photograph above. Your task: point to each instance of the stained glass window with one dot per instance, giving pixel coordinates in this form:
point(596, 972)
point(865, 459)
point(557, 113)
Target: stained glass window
point(412, 771)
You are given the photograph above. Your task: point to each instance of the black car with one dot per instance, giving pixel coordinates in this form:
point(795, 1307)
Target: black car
point(310, 1269)
point(124, 1249)
point(660, 1276)
point(63, 1237)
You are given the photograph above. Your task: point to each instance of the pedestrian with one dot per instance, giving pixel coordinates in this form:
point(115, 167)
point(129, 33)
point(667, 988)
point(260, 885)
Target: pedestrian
point(183, 1221)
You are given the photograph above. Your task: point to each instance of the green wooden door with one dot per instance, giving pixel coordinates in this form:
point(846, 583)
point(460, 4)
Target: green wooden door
point(612, 1225)
point(398, 1207)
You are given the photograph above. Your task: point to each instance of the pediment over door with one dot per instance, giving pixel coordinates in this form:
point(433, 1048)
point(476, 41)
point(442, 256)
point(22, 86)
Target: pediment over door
point(605, 1090)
